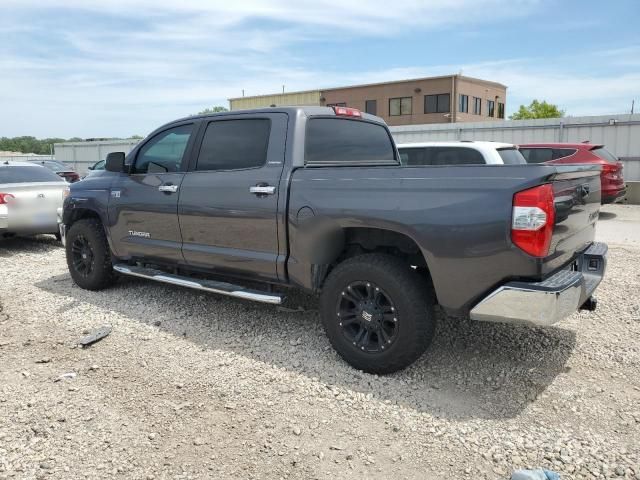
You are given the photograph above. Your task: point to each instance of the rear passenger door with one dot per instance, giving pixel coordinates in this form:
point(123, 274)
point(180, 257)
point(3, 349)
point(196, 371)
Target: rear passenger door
point(228, 207)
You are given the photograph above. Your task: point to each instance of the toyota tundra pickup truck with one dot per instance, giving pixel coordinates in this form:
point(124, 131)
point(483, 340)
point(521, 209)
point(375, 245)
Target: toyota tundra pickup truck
point(252, 203)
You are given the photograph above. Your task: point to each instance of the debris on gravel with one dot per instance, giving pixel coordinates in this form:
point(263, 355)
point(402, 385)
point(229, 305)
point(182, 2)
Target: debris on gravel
point(202, 386)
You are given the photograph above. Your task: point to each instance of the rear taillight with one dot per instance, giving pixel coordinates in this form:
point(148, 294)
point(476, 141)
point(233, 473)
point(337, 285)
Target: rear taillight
point(612, 171)
point(347, 112)
point(533, 219)
point(6, 198)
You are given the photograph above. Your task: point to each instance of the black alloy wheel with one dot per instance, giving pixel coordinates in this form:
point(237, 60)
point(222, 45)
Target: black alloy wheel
point(367, 316)
point(82, 255)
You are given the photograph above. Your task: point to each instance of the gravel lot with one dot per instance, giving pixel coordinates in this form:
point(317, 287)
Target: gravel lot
point(201, 386)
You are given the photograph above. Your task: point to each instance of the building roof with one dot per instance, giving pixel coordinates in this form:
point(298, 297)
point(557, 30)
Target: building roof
point(463, 77)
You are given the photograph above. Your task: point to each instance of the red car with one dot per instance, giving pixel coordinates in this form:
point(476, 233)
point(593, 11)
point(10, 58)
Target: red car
point(613, 187)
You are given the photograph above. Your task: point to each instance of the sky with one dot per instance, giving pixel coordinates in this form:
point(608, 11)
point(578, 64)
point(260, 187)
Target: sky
point(116, 68)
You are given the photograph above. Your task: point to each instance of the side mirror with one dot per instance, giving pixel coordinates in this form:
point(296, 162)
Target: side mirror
point(115, 162)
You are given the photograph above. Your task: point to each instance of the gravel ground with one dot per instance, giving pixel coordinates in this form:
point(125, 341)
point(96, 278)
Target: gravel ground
point(201, 386)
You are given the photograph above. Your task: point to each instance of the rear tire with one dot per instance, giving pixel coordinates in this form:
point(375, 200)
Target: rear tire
point(378, 313)
point(88, 255)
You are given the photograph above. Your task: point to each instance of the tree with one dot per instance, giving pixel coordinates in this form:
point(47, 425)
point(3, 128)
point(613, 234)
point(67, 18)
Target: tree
point(213, 110)
point(537, 109)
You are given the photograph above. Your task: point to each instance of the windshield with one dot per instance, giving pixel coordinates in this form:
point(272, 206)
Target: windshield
point(604, 154)
point(511, 156)
point(14, 174)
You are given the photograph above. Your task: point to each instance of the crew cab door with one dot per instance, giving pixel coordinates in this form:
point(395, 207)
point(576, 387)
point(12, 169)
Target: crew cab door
point(228, 204)
point(143, 207)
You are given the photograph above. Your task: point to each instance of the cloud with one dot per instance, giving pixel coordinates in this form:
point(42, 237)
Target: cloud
point(116, 67)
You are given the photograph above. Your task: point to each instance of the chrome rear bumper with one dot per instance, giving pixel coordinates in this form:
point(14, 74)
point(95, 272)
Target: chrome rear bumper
point(549, 301)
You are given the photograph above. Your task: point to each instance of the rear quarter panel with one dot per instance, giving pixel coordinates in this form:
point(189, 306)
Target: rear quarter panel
point(460, 217)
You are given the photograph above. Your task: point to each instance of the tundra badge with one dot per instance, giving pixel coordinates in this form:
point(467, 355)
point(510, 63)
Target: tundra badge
point(133, 233)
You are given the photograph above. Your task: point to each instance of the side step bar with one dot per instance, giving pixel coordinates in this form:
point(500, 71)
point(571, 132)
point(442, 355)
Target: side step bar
point(213, 286)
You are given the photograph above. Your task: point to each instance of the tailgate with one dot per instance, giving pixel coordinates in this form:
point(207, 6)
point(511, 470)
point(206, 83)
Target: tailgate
point(577, 203)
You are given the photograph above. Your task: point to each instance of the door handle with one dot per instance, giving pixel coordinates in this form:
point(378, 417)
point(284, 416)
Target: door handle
point(168, 188)
point(262, 190)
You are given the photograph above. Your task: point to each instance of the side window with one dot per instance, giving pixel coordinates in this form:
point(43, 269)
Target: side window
point(562, 152)
point(164, 152)
point(234, 144)
point(537, 155)
point(414, 156)
point(456, 156)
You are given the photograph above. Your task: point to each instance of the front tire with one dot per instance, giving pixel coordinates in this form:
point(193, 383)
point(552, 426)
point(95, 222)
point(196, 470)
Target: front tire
point(378, 313)
point(88, 255)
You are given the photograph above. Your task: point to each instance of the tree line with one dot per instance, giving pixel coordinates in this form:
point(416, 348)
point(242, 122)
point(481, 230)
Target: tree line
point(39, 146)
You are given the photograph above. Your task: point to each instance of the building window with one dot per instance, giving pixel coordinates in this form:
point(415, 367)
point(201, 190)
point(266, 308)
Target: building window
point(464, 104)
point(342, 104)
point(491, 105)
point(477, 106)
point(500, 110)
point(371, 106)
point(437, 103)
point(399, 106)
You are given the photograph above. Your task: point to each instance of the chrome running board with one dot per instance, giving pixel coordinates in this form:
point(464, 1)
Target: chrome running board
point(212, 286)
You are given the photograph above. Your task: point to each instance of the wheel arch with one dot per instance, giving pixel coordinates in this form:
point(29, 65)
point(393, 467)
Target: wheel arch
point(347, 242)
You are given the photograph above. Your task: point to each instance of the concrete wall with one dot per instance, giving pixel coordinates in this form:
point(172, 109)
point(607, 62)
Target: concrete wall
point(81, 155)
point(619, 133)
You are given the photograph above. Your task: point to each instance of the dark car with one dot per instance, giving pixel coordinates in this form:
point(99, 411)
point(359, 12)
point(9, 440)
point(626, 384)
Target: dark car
point(96, 169)
point(612, 181)
point(60, 169)
point(252, 204)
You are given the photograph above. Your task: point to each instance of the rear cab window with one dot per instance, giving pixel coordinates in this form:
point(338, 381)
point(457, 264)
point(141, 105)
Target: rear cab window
point(35, 174)
point(334, 141)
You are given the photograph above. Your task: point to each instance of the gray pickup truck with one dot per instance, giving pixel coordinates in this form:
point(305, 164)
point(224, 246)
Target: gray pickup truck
point(251, 203)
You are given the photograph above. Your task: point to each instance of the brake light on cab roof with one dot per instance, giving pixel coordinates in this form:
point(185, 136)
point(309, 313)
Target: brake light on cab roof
point(347, 112)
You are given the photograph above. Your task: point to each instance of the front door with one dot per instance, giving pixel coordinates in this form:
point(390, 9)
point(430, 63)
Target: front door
point(229, 199)
point(143, 207)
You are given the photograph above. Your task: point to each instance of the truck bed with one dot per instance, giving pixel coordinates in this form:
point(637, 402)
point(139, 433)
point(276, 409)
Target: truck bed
point(459, 216)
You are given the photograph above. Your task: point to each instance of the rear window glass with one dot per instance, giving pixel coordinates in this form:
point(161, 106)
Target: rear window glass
point(440, 156)
point(605, 154)
point(338, 140)
point(27, 174)
point(511, 156)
